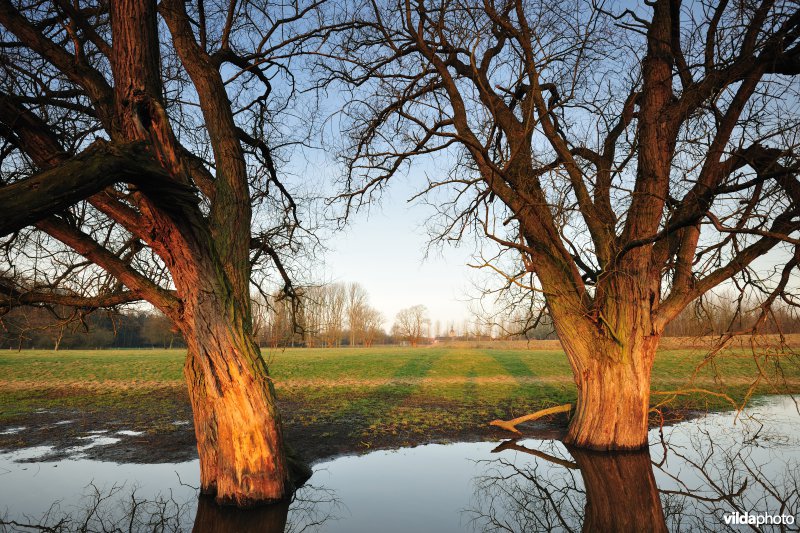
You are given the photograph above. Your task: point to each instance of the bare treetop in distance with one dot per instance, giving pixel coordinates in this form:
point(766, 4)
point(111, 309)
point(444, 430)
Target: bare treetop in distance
point(169, 120)
point(327, 313)
point(626, 160)
point(411, 324)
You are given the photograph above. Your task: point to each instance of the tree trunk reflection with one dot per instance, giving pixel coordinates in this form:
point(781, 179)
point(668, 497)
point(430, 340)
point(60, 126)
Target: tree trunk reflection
point(213, 518)
point(590, 491)
point(621, 491)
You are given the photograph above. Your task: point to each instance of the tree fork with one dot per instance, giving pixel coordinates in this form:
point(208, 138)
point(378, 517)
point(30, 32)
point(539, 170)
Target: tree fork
point(240, 442)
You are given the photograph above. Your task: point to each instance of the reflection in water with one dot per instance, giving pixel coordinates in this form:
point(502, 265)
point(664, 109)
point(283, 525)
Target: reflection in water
point(695, 483)
point(113, 511)
point(601, 491)
point(621, 492)
point(108, 510)
point(719, 476)
point(310, 508)
point(539, 495)
point(211, 518)
point(694, 476)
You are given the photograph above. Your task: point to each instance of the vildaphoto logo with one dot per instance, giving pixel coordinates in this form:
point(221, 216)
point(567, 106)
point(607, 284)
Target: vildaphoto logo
point(757, 519)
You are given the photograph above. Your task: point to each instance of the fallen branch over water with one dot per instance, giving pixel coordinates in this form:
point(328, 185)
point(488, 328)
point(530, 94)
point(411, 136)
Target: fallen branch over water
point(511, 425)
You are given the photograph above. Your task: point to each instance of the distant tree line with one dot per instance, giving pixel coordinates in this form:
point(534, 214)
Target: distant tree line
point(340, 314)
point(719, 314)
point(714, 314)
point(326, 315)
point(64, 327)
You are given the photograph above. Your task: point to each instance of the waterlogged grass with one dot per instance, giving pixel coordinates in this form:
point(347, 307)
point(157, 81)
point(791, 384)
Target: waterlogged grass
point(364, 395)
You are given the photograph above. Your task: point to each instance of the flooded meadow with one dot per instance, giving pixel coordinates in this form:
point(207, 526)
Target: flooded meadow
point(718, 472)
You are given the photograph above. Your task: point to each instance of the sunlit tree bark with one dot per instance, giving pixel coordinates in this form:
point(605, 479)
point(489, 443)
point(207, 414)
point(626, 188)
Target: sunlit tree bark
point(176, 229)
point(630, 160)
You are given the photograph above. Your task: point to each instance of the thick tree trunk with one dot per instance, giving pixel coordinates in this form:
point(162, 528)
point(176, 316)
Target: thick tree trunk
point(240, 442)
point(205, 426)
point(611, 411)
point(238, 429)
point(613, 395)
point(621, 492)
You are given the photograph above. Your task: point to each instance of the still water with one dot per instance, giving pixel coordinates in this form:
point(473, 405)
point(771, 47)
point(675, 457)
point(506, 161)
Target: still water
point(714, 473)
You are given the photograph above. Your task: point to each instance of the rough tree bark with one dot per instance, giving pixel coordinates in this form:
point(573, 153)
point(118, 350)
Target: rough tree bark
point(243, 457)
point(236, 422)
point(611, 411)
point(238, 428)
point(611, 366)
point(594, 152)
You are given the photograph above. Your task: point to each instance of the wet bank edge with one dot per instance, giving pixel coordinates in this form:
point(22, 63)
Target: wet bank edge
point(133, 438)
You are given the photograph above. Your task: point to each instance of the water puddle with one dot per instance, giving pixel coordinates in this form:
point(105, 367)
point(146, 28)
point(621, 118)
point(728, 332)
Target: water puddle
point(94, 440)
point(714, 473)
point(129, 433)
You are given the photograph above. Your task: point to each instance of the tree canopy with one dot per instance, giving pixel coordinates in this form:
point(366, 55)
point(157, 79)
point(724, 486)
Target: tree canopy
point(626, 160)
point(141, 161)
point(623, 161)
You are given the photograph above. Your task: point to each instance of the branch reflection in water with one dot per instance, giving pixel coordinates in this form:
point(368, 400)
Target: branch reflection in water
point(695, 475)
point(107, 511)
point(688, 483)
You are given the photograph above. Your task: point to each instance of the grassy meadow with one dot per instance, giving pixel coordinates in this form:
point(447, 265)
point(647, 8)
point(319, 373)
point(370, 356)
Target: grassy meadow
point(368, 394)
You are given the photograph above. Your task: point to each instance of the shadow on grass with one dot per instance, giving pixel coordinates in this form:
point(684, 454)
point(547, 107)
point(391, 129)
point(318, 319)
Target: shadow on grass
point(408, 411)
point(362, 411)
point(512, 363)
point(384, 397)
point(471, 387)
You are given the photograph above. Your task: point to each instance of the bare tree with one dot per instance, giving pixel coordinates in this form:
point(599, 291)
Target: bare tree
point(630, 161)
point(333, 303)
point(410, 323)
point(159, 331)
point(163, 118)
point(700, 481)
point(275, 320)
point(373, 325)
point(614, 492)
point(357, 308)
point(311, 314)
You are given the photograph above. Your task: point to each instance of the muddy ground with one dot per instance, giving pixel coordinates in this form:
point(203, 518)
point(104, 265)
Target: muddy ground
point(156, 427)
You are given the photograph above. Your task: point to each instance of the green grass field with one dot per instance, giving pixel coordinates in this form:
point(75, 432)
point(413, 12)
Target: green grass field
point(427, 391)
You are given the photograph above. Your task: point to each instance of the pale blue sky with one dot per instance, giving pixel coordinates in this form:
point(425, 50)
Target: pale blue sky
point(384, 249)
